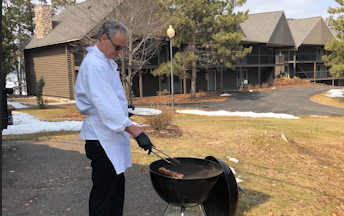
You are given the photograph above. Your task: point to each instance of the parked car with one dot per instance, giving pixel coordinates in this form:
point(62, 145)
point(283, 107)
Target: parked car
point(7, 118)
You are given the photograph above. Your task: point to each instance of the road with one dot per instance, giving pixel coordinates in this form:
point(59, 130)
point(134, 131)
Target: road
point(293, 101)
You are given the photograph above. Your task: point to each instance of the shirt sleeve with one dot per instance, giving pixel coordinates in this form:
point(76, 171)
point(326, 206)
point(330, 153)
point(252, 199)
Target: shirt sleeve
point(105, 100)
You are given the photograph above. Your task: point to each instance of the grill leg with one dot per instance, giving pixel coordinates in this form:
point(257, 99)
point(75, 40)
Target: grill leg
point(182, 210)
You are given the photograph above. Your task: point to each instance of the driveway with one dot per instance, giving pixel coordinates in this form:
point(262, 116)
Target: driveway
point(293, 100)
point(53, 178)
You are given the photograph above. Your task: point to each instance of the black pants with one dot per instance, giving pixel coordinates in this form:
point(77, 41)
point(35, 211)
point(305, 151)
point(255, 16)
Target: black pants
point(107, 194)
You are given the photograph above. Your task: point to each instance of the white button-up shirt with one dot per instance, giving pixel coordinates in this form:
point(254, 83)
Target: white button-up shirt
point(99, 94)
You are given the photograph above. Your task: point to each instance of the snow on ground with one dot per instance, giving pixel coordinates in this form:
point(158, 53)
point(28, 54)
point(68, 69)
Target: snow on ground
point(24, 123)
point(16, 105)
point(333, 93)
point(242, 114)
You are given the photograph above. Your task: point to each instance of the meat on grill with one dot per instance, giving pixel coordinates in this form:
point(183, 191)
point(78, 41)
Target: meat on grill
point(170, 173)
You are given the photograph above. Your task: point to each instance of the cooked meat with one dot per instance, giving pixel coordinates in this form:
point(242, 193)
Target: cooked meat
point(170, 173)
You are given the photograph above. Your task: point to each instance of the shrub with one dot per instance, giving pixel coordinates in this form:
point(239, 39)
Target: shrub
point(164, 92)
point(249, 86)
point(161, 121)
point(256, 86)
point(39, 93)
point(286, 81)
point(265, 85)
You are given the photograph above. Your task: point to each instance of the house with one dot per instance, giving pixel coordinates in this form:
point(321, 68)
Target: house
point(281, 47)
point(56, 50)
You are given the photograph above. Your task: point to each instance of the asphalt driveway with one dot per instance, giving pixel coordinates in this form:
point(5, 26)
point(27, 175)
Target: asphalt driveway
point(293, 100)
point(53, 178)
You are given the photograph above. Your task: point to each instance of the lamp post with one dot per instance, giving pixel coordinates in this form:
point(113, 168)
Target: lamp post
point(171, 33)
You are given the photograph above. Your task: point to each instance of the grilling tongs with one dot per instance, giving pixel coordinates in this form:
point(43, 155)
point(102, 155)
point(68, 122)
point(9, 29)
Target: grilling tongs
point(173, 160)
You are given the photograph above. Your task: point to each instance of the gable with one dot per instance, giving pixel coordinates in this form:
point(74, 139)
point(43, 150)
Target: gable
point(319, 35)
point(282, 34)
point(259, 27)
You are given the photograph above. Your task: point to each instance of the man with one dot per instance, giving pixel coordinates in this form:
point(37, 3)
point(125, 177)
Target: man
point(99, 94)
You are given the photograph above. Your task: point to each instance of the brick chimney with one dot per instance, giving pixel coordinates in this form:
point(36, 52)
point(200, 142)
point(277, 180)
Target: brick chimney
point(43, 20)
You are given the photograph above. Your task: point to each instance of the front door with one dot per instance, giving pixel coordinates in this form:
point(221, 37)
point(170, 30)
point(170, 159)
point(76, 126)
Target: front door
point(211, 80)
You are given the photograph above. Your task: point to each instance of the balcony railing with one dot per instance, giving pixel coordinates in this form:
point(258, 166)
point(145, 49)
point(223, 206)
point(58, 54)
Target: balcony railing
point(306, 57)
point(262, 59)
point(318, 74)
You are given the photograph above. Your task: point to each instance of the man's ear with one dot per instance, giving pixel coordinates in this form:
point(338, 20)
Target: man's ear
point(103, 38)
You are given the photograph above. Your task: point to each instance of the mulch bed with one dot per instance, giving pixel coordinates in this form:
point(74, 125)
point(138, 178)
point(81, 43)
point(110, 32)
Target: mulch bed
point(171, 131)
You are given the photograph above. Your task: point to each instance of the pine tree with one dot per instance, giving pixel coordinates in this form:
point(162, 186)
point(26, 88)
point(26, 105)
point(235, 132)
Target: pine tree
point(58, 5)
point(209, 29)
point(335, 59)
point(17, 27)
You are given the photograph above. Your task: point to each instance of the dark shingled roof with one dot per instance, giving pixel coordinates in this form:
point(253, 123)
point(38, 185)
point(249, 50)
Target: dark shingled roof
point(74, 22)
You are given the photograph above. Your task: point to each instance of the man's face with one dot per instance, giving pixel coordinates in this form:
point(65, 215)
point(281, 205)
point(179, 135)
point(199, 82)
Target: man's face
point(114, 45)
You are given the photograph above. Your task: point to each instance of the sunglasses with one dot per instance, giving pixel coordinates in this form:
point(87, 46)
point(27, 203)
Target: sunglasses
point(117, 48)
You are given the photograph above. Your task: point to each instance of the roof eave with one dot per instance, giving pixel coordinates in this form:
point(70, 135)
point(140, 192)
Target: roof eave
point(49, 44)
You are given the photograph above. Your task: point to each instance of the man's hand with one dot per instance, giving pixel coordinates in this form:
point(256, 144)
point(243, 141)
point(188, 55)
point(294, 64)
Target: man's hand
point(144, 142)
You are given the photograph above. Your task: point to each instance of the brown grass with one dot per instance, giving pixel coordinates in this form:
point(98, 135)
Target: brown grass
point(180, 98)
point(304, 176)
point(323, 99)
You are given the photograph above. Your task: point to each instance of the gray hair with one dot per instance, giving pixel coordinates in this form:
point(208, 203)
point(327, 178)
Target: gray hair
point(111, 27)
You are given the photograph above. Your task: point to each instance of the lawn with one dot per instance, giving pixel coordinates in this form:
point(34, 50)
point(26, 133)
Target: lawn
point(301, 176)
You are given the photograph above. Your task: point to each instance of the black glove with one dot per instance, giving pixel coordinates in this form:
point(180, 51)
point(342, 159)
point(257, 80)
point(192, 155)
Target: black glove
point(144, 142)
point(130, 106)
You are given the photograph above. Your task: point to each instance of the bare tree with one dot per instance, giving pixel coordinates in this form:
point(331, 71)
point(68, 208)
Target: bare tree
point(146, 33)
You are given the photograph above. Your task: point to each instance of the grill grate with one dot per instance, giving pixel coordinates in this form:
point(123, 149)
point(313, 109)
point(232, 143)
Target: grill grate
point(195, 171)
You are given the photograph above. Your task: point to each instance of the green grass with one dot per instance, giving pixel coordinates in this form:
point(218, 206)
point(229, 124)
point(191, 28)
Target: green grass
point(304, 176)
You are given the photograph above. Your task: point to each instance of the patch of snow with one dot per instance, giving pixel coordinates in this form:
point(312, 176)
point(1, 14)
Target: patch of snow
point(242, 114)
point(225, 95)
point(238, 180)
point(17, 105)
point(333, 93)
point(24, 123)
point(233, 159)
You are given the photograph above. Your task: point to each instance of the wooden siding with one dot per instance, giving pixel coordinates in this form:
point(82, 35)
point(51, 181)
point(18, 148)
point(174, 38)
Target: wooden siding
point(71, 72)
point(51, 63)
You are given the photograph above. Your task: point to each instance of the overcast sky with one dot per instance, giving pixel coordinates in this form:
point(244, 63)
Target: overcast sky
point(292, 8)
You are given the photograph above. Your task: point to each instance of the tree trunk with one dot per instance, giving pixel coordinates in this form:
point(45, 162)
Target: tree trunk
point(193, 76)
point(184, 84)
point(127, 89)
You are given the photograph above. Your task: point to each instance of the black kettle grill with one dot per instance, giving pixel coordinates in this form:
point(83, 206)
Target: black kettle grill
point(208, 185)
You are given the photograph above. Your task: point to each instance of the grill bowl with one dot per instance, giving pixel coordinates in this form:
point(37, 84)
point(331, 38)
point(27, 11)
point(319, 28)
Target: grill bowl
point(200, 176)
